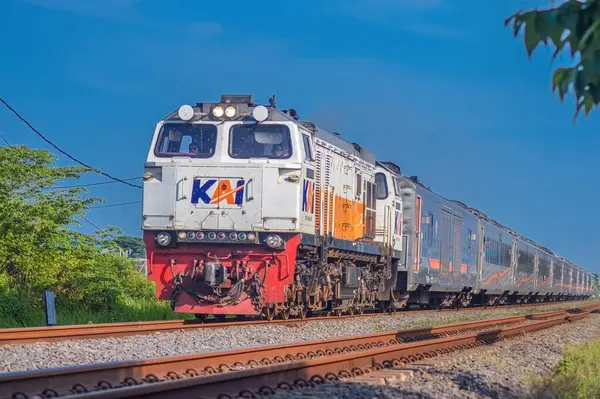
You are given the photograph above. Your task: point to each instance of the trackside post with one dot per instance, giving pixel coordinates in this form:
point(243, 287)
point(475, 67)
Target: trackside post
point(49, 308)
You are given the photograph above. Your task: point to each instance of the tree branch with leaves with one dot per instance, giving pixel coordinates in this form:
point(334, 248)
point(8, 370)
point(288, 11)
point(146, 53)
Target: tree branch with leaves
point(40, 250)
point(576, 23)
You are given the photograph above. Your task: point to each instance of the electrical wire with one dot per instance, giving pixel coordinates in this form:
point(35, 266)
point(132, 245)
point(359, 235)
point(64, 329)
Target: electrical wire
point(6, 141)
point(93, 225)
point(63, 152)
point(114, 205)
point(91, 184)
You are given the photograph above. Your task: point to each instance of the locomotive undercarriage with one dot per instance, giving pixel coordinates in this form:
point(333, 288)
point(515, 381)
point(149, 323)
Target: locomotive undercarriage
point(344, 283)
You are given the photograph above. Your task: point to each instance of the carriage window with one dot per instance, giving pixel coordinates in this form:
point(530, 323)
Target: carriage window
point(381, 183)
point(262, 141)
point(186, 139)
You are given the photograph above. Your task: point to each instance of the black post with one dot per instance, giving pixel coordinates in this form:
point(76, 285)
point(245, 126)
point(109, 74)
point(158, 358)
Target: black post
point(49, 308)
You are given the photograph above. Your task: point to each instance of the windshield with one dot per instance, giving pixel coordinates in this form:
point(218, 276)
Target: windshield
point(262, 141)
point(186, 139)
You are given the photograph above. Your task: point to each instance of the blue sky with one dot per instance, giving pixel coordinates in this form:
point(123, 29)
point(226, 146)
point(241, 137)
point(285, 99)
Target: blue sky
point(439, 86)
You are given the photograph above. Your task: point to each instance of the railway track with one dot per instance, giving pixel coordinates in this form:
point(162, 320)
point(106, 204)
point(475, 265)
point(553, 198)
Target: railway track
point(90, 331)
point(254, 371)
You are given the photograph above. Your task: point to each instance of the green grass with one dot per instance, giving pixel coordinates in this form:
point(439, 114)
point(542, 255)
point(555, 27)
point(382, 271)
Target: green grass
point(150, 310)
point(129, 310)
point(577, 375)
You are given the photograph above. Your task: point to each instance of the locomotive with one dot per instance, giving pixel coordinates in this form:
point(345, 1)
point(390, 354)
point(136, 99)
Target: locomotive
point(249, 210)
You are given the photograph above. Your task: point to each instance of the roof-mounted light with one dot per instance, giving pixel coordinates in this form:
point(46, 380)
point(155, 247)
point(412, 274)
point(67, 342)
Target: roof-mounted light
point(217, 111)
point(230, 111)
point(260, 113)
point(186, 112)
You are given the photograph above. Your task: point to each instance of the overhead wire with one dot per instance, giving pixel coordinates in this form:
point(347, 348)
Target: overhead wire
point(6, 141)
point(113, 179)
point(116, 179)
point(114, 205)
point(90, 184)
point(93, 225)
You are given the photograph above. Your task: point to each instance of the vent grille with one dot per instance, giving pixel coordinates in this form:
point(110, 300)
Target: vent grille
point(318, 192)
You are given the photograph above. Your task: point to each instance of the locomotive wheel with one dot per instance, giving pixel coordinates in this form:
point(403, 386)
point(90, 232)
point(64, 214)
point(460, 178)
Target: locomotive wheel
point(268, 314)
point(302, 313)
point(285, 314)
point(201, 317)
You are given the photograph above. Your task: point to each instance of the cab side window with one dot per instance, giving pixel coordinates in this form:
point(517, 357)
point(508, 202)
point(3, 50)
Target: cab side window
point(307, 150)
point(381, 184)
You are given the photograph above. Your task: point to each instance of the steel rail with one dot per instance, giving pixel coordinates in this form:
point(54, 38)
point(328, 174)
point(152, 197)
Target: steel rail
point(12, 336)
point(256, 382)
point(78, 379)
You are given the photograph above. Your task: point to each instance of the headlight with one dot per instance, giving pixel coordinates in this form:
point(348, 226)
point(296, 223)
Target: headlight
point(163, 239)
point(230, 112)
point(217, 111)
point(274, 241)
point(185, 112)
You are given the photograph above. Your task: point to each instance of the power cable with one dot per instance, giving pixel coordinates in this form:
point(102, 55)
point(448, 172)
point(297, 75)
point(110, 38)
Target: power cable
point(6, 141)
point(93, 225)
point(63, 152)
point(91, 184)
point(114, 205)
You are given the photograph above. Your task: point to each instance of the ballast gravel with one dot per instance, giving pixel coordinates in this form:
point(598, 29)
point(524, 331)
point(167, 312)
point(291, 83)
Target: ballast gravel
point(510, 369)
point(184, 342)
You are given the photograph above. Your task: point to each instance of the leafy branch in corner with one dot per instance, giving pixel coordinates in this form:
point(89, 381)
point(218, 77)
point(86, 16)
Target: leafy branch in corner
point(576, 23)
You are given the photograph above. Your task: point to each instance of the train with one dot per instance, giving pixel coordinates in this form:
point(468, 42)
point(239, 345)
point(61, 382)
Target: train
point(249, 210)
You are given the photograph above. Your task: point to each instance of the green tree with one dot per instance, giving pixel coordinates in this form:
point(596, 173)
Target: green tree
point(39, 250)
point(133, 246)
point(576, 24)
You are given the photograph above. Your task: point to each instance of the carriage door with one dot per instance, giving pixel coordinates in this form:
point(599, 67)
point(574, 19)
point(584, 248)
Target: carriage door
point(445, 243)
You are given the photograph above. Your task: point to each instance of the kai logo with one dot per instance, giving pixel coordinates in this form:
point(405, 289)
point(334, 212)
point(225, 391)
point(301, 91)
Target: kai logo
point(215, 191)
point(308, 196)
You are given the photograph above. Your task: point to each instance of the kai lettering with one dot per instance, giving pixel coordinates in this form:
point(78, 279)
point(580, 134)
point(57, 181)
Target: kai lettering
point(216, 191)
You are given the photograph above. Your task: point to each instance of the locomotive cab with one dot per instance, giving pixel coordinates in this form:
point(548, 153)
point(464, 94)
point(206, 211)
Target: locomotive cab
point(218, 179)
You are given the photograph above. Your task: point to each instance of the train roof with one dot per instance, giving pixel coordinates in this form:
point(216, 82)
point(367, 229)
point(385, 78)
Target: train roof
point(485, 217)
point(246, 104)
point(337, 140)
point(390, 167)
